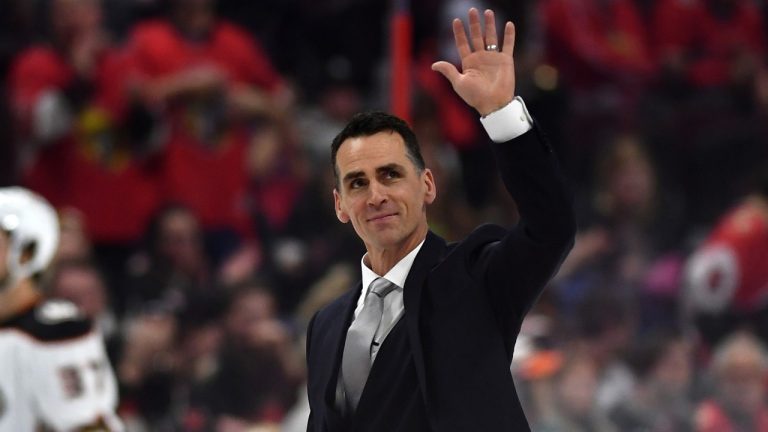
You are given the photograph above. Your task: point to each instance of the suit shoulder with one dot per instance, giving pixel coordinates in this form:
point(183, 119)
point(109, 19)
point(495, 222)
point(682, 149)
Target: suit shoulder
point(474, 243)
point(51, 321)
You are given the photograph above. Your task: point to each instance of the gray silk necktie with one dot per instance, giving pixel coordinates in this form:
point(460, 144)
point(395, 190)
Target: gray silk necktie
point(356, 362)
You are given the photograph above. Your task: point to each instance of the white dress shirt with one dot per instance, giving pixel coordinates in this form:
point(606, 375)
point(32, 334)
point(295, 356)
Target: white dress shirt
point(393, 302)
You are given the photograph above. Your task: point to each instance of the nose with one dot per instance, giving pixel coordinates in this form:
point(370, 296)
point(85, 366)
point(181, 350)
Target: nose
point(377, 194)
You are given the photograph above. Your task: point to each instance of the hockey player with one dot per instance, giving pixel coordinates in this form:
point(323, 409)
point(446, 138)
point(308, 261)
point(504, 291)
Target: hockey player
point(54, 372)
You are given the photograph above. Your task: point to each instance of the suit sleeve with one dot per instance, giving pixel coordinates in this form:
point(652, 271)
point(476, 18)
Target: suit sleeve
point(516, 268)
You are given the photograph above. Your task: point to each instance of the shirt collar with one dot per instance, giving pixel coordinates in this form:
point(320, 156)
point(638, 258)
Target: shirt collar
point(396, 275)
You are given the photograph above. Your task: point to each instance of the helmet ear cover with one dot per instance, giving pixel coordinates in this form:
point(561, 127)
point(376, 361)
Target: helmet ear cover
point(32, 226)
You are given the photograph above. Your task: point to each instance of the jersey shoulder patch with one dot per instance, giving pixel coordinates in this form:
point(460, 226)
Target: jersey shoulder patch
point(52, 321)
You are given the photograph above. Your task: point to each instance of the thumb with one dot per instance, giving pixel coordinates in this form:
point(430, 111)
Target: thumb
point(447, 69)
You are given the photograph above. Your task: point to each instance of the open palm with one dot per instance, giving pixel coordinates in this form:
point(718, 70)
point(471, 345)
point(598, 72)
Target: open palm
point(487, 79)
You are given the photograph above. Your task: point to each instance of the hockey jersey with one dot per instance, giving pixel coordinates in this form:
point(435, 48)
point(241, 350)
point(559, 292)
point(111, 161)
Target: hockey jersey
point(54, 373)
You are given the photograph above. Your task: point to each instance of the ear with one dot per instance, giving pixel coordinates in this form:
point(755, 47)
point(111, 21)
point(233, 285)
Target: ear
point(430, 192)
point(340, 213)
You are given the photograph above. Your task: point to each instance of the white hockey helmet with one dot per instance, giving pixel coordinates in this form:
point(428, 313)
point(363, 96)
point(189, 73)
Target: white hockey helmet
point(30, 222)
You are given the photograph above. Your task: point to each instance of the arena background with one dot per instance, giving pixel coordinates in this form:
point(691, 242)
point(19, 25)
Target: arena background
point(186, 145)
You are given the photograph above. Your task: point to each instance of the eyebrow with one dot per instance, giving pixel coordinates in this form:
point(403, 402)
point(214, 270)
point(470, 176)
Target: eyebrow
point(353, 175)
point(390, 167)
point(384, 168)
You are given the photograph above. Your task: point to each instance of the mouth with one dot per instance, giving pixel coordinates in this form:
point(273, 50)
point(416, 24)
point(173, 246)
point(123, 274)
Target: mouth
point(382, 217)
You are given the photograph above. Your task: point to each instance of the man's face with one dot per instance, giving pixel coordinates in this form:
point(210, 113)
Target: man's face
point(180, 240)
point(381, 191)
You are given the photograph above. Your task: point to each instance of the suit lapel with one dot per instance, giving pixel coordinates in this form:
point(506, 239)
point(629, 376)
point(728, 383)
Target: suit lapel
point(429, 255)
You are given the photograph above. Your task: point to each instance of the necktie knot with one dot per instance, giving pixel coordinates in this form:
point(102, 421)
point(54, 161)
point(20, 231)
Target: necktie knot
point(381, 287)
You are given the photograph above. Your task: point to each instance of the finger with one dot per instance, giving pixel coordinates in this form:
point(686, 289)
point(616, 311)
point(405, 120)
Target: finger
point(448, 70)
point(475, 30)
point(490, 28)
point(509, 39)
point(462, 45)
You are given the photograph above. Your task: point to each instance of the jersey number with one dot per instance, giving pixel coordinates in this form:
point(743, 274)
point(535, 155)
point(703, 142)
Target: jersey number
point(73, 378)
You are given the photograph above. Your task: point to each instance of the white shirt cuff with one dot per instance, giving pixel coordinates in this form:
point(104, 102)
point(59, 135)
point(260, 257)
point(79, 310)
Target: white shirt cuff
point(509, 122)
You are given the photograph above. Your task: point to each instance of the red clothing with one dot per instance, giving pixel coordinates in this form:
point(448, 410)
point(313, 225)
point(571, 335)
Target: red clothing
point(710, 417)
point(596, 41)
point(708, 44)
point(204, 164)
point(729, 271)
point(91, 167)
point(458, 123)
point(160, 50)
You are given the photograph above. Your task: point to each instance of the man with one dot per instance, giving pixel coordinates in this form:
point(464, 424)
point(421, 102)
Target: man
point(54, 373)
point(428, 346)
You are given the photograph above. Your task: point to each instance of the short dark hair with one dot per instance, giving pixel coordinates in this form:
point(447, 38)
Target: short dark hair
point(370, 123)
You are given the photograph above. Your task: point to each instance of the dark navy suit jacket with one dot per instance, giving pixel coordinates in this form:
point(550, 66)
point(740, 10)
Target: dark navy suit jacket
point(464, 303)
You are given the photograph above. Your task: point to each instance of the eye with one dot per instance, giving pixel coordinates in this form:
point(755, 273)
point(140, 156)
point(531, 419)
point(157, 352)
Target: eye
point(391, 174)
point(356, 183)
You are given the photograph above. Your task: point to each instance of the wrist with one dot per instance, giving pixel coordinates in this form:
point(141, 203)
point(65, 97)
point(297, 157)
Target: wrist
point(489, 108)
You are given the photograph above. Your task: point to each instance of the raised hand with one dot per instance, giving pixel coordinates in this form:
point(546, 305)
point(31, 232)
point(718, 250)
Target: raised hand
point(487, 79)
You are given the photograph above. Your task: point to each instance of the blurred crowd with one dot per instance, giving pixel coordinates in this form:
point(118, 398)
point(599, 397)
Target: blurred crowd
point(186, 143)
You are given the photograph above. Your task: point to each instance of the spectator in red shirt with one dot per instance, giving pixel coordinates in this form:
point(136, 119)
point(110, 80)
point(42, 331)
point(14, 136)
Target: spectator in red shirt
point(216, 90)
point(710, 42)
point(596, 42)
point(726, 277)
point(73, 127)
